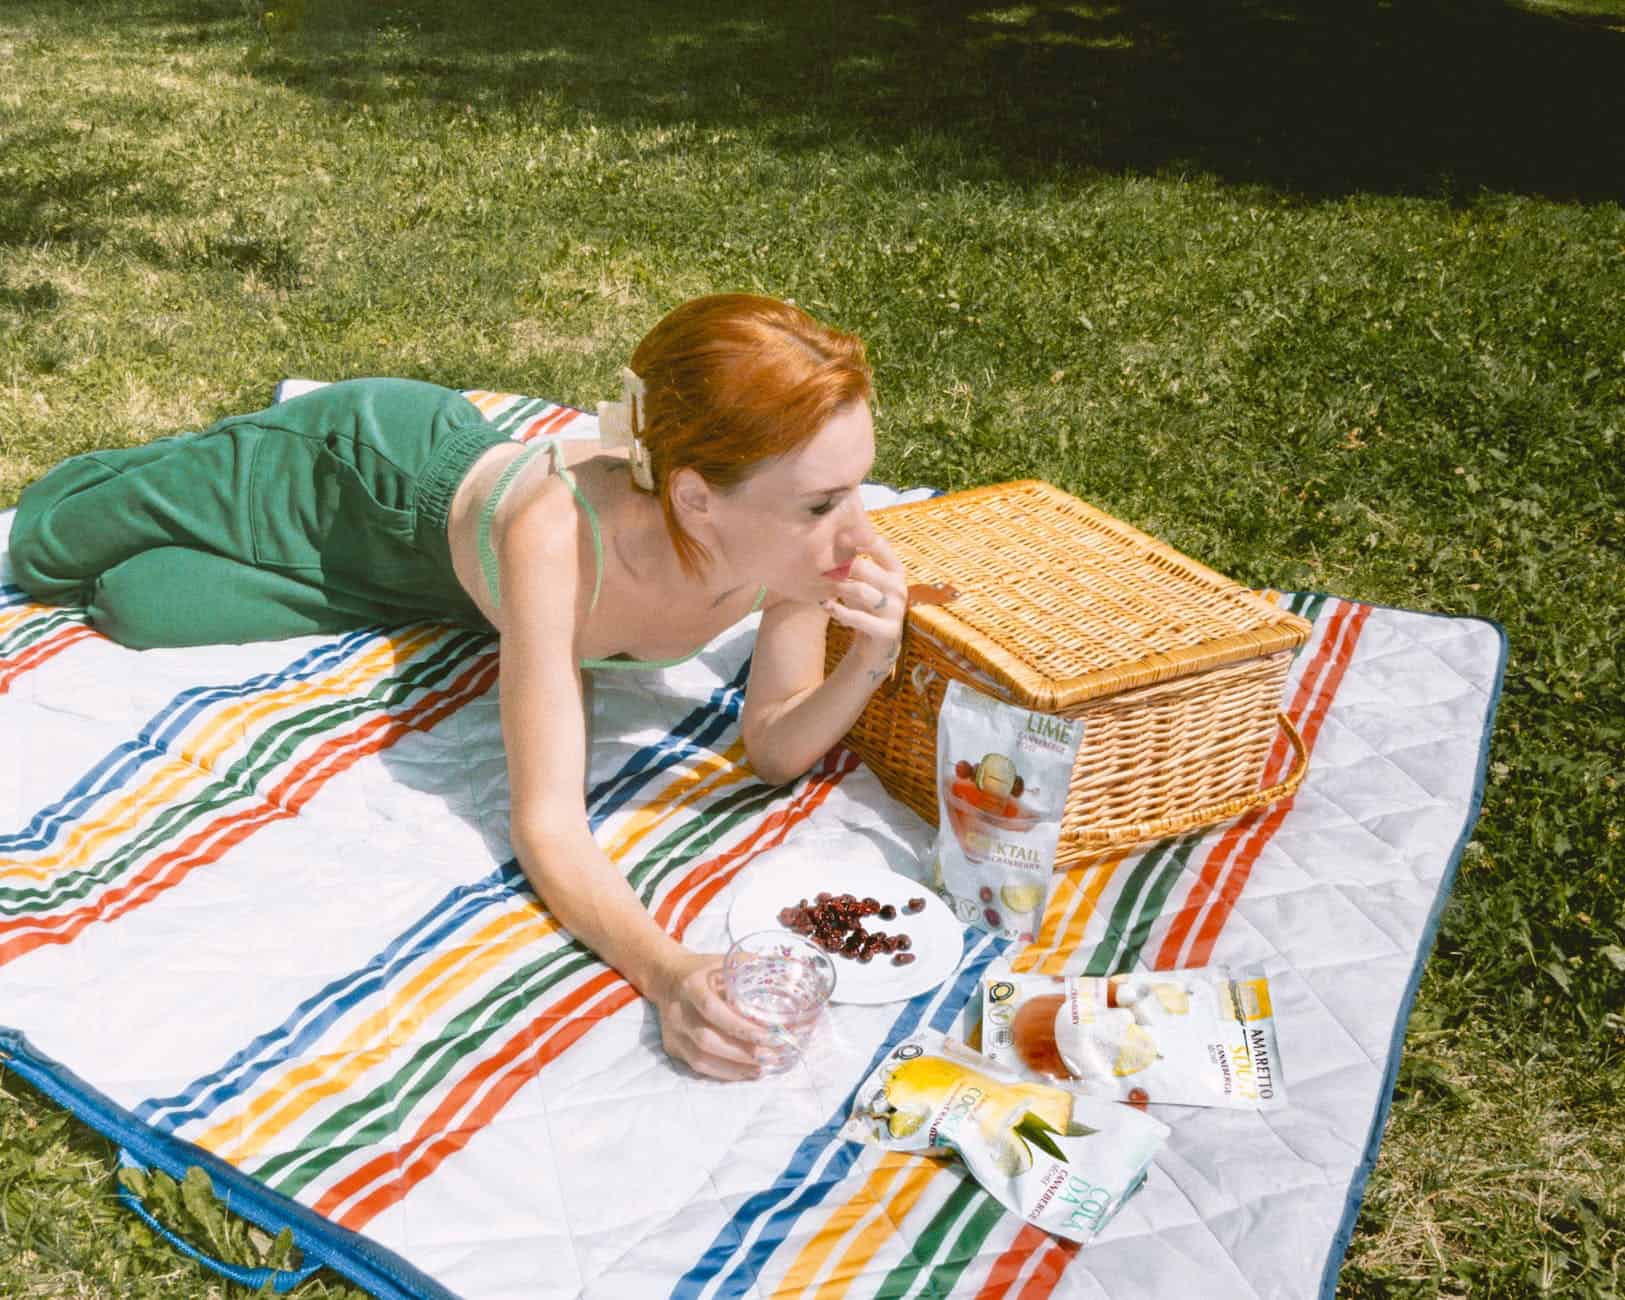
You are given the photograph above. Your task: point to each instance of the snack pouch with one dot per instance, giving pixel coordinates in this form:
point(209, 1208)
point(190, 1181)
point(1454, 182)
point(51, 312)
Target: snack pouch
point(1003, 774)
point(1063, 1162)
point(1185, 1037)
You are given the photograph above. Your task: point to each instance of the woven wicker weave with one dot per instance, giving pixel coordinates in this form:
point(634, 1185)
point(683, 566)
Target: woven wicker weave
point(1176, 670)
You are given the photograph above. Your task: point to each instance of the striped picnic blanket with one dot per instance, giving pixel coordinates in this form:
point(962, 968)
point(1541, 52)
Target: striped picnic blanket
point(259, 914)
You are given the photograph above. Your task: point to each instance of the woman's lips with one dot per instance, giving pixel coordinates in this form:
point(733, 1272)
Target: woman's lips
point(840, 574)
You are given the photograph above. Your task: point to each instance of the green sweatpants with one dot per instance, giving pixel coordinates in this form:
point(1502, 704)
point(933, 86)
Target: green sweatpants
point(321, 514)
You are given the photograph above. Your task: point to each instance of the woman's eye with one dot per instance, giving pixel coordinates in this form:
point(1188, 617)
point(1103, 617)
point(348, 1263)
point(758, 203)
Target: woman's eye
point(822, 508)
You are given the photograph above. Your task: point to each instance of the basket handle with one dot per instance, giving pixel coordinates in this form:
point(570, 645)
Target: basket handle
point(1206, 814)
point(919, 593)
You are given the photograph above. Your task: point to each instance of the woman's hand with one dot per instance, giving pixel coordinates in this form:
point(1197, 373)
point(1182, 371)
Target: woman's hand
point(699, 1027)
point(872, 602)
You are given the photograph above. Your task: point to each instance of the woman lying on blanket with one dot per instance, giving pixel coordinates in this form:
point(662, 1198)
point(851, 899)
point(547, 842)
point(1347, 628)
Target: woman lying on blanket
point(747, 433)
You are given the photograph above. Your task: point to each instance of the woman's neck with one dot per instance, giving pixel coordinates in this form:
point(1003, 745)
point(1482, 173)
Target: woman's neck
point(643, 549)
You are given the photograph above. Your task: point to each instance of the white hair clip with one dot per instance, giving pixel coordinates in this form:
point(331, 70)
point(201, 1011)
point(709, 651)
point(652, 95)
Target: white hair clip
point(619, 424)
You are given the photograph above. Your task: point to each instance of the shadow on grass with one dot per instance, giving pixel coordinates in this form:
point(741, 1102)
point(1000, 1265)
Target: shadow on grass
point(1424, 97)
point(47, 185)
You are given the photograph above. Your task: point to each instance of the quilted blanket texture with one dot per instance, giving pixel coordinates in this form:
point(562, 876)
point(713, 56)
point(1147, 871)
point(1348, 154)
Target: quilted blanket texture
point(258, 912)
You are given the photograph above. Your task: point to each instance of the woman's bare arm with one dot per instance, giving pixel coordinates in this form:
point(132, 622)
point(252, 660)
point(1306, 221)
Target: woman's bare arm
point(544, 736)
point(793, 714)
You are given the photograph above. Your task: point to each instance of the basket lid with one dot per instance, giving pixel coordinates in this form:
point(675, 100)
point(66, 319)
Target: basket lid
point(1065, 603)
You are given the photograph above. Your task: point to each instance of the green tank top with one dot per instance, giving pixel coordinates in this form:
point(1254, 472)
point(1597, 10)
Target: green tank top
point(488, 555)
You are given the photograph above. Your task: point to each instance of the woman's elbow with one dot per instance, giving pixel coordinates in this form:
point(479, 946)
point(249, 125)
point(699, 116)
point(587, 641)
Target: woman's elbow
point(770, 763)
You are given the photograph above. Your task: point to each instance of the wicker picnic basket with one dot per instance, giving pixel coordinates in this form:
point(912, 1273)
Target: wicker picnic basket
point(1176, 670)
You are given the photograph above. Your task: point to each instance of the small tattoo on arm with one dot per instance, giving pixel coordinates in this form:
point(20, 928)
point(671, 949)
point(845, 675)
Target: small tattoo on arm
point(878, 675)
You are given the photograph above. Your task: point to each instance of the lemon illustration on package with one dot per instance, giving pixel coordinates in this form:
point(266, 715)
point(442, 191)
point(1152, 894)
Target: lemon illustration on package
point(1063, 1161)
point(1009, 1116)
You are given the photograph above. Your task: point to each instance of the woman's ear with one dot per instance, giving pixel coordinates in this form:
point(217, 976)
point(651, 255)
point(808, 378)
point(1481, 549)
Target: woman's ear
point(690, 495)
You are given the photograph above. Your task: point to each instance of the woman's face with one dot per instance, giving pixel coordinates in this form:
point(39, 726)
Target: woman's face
point(797, 523)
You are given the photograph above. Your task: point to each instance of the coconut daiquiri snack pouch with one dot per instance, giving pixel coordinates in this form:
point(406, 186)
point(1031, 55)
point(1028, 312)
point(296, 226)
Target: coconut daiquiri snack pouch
point(1185, 1037)
point(1064, 1162)
point(1003, 774)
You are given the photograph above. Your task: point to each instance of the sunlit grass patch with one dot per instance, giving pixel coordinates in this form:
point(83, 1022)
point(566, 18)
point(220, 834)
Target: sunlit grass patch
point(1490, 1184)
point(1317, 338)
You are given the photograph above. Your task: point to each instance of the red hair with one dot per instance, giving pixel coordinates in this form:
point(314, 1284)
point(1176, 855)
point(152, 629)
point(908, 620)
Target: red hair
point(735, 379)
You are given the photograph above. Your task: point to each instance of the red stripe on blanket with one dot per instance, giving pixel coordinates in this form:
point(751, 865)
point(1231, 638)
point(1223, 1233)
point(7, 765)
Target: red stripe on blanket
point(421, 1154)
point(725, 867)
point(284, 800)
point(1316, 687)
point(546, 424)
point(1008, 1266)
point(1309, 728)
point(37, 654)
point(1058, 1253)
point(446, 1131)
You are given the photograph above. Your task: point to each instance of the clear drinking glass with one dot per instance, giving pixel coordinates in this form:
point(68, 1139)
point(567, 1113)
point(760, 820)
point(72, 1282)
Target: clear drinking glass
point(781, 981)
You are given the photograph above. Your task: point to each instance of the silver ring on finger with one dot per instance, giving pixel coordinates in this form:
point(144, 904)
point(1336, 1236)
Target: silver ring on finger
point(881, 603)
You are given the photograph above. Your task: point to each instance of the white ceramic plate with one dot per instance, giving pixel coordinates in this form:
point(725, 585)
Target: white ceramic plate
point(939, 940)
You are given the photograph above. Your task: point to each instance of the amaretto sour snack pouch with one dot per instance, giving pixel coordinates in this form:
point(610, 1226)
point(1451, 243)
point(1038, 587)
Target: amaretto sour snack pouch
point(1186, 1037)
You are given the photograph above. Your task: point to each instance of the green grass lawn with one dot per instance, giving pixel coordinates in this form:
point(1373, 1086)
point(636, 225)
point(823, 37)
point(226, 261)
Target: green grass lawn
point(1329, 297)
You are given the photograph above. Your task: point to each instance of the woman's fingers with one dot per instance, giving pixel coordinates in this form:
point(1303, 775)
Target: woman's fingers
point(880, 551)
point(725, 1019)
point(868, 597)
point(873, 599)
point(707, 1050)
point(707, 1032)
point(858, 619)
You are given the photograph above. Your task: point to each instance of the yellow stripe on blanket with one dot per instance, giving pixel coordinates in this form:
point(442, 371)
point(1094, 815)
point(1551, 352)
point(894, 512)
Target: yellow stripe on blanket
point(245, 1135)
point(725, 768)
point(1066, 919)
point(883, 1215)
point(194, 765)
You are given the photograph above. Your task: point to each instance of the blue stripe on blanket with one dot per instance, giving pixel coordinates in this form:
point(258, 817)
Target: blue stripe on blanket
point(121, 765)
point(777, 1223)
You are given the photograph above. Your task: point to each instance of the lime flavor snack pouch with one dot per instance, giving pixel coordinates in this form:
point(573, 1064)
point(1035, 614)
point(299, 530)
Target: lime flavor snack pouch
point(1063, 1162)
point(1184, 1037)
point(1003, 775)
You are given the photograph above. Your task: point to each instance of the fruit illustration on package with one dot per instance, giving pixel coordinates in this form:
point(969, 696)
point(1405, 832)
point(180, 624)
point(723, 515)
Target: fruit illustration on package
point(1003, 778)
point(1183, 1038)
point(1056, 1159)
point(1138, 1050)
point(996, 775)
point(984, 799)
point(1032, 1030)
point(1073, 1038)
point(1124, 991)
point(1011, 1117)
point(1022, 898)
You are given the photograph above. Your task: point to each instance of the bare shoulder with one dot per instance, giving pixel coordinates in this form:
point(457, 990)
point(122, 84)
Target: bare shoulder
point(541, 557)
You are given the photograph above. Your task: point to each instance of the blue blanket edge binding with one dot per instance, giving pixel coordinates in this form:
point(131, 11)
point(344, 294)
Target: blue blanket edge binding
point(1424, 950)
point(376, 1269)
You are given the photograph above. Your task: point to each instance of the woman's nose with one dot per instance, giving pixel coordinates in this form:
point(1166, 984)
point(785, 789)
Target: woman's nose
point(857, 533)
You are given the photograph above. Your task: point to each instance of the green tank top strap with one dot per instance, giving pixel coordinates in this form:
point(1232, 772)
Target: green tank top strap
point(488, 555)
